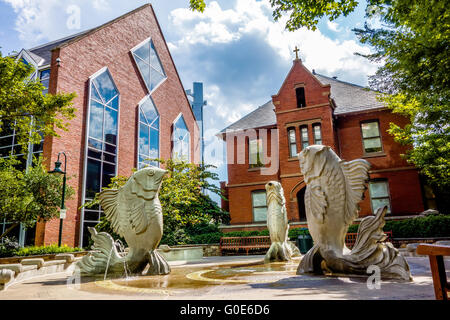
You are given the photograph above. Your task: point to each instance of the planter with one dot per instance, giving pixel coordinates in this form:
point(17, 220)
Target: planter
point(46, 257)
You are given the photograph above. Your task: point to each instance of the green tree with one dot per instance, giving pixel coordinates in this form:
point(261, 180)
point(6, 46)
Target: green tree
point(25, 108)
point(29, 196)
point(182, 199)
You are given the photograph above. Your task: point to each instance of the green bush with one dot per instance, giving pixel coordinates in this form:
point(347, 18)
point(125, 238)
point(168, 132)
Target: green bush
point(207, 238)
point(421, 227)
point(37, 251)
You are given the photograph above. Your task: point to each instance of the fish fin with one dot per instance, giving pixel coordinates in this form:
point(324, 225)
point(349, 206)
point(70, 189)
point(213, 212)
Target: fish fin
point(136, 214)
point(109, 203)
point(356, 175)
point(316, 202)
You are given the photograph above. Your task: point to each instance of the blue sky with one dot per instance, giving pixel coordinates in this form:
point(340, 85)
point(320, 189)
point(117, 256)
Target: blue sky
point(235, 48)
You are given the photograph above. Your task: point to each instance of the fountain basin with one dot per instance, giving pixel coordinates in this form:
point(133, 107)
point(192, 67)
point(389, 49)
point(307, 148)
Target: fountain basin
point(181, 253)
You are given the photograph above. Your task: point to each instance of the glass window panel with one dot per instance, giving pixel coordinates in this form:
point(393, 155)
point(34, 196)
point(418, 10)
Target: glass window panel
point(379, 189)
point(154, 143)
point(149, 110)
point(109, 172)
point(373, 145)
point(5, 152)
point(95, 144)
point(111, 126)
point(38, 147)
point(292, 138)
point(105, 86)
point(95, 95)
point(370, 129)
point(259, 199)
point(94, 154)
point(114, 103)
point(145, 72)
point(156, 78)
point(7, 129)
point(93, 178)
point(293, 150)
point(305, 134)
point(260, 214)
point(144, 139)
point(94, 207)
point(379, 203)
point(18, 150)
point(91, 215)
point(154, 60)
point(86, 233)
point(96, 120)
point(143, 52)
point(109, 158)
point(181, 140)
point(111, 149)
point(6, 141)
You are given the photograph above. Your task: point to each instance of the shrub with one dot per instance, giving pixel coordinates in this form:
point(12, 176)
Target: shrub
point(35, 251)
point(8, 246)
point(207, 238)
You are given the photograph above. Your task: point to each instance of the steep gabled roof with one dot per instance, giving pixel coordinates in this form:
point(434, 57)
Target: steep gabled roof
point(264, 116)
point(348, 97)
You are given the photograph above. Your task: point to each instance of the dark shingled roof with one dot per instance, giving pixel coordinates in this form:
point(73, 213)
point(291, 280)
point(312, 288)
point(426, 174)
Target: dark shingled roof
point(264, 116)
point(348, 97)
point(44, 51)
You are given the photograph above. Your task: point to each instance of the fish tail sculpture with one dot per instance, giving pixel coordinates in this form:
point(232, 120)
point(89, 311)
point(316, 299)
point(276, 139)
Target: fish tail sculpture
point(277, 223)
point(334, 189)
point(135, 213)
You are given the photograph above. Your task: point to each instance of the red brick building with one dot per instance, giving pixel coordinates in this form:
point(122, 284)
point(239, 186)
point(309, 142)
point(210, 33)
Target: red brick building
point(131, 106)
point(314, 109)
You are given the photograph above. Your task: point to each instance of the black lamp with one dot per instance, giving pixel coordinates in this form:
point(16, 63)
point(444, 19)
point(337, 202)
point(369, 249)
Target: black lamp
point(58, 170)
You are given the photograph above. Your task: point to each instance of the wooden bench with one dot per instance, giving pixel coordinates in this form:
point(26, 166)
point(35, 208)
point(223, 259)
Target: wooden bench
point(436, 254)
point(350, 238)
point(245, 243)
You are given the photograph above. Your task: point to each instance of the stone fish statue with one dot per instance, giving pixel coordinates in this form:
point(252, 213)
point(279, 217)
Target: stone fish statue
point(277, 223)
point(135, 214)
point(334, 189)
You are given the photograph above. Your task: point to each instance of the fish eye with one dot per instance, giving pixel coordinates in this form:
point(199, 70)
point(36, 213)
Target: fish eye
point(151, 172)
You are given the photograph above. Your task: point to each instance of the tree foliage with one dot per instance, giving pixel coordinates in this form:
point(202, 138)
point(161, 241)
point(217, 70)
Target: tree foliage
point(29, 196)
point(185, 205)
point(21, 100)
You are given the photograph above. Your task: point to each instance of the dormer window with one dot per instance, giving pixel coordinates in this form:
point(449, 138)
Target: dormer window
point(301, 101)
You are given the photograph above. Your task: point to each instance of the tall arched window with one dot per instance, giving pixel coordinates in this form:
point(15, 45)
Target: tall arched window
point(148, 133)
point(292, 143)
point(317, 132)
point(149, 64)
point(181, 140)
point(101, 153)
point(304, 136)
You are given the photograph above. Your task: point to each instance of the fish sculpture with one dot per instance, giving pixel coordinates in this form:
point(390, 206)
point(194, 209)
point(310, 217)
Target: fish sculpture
point(281, 248)
point(135, 214)
point(334, 189)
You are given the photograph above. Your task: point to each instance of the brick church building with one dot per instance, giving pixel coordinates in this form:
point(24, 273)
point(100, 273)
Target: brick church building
point(130, 106)
point(315, 109)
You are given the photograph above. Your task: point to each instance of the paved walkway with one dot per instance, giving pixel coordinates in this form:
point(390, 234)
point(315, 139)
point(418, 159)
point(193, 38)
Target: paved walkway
point(228, 278)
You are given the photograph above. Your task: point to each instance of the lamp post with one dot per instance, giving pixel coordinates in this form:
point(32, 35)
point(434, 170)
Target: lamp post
point(58, 170)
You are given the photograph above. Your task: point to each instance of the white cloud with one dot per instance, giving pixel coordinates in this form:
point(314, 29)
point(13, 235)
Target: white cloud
point(333, 26)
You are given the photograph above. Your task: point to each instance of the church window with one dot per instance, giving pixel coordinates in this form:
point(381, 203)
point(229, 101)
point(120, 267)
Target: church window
point(149, 64)
point(101, 153)
point(181, 140)
point(259, 205)
point(379, 194)
point(148, 145)
point(301, 100)
point(371, 137)
point(292, 143)
point(304, 136)
point(317, 130)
